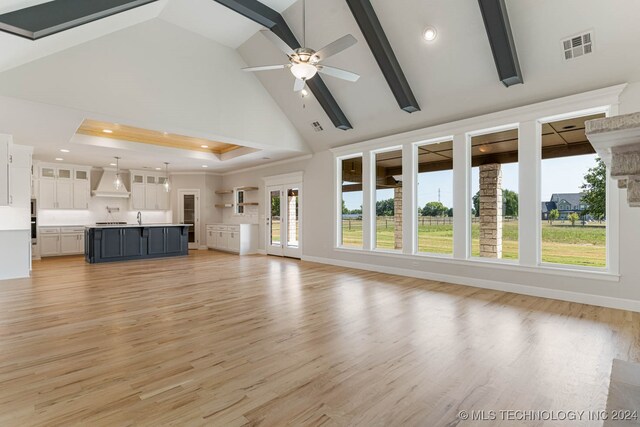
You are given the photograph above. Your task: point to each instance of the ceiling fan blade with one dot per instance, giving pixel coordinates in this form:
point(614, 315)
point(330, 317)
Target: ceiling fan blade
point(337, 46)
point(339, 73)
point(265, 68)
point(278, 42)
point(298, 85)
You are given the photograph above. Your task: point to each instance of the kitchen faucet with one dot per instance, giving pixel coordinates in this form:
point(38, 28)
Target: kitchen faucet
point(139, 218)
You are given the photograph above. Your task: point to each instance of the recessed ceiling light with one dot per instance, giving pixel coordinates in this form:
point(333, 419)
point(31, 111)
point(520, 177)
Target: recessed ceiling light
point(64, 150)
point(107, 131)
point(430, 34)
point(59, 159)
point(112, 164)
point(205, 166)
point(158, 169)
point(204, 146)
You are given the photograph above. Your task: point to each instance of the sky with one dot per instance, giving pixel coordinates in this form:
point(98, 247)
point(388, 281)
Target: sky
point(563, 175)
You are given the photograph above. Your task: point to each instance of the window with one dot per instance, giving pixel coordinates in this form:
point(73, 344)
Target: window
point(239, 204)
point(352, 200)
point(435, 198)
point(388, 199)
point(573, 192)
point(494, 190)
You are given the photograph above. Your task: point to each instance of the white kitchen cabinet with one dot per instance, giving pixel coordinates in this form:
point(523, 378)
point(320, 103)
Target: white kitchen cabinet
point(4, 170)
point(237, 238)
point(64, 194)
point(148, 192)
point(210, 238)
point(81, 194)
point(47, 190)
point(63, 187)
point(56, 241)
point(151, 197)
point(20, 176)
point(49, 244)
point(137, 197)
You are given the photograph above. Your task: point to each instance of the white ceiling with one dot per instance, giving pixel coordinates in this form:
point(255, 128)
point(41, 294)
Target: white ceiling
point(214, 21)
point(455, 76)
point(452, 78)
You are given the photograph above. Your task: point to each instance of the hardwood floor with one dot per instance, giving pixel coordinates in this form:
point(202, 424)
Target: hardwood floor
point(216, 339)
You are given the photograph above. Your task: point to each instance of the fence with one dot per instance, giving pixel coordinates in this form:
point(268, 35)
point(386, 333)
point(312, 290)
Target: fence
point(387, 222)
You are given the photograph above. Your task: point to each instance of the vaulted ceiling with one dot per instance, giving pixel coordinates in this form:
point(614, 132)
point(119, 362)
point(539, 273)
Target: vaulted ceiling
point(452, 78)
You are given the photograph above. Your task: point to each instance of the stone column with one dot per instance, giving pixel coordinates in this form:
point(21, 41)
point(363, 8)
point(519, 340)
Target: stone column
point(491, 211)
point(617, 141)
point(397, 216)
point(292, 217)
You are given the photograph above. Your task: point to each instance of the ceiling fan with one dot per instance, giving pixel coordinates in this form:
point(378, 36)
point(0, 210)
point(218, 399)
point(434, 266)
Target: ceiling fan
point(304, 62)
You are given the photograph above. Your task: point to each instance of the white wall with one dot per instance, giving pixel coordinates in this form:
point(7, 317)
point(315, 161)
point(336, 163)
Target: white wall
point(318, 241)
point(254, 178)
point(156, 75)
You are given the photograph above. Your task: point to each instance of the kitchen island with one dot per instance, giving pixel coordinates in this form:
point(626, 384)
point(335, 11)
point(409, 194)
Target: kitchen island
point(108, 243)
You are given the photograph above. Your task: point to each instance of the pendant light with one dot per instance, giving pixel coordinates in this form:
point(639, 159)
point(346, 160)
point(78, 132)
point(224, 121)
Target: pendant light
point(117, 183)
point(167, 186)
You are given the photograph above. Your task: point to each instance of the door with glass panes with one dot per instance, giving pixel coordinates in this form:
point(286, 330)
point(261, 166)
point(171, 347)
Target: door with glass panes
point(283, 207)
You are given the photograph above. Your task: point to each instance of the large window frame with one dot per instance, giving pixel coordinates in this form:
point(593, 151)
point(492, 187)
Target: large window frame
point(528, 120)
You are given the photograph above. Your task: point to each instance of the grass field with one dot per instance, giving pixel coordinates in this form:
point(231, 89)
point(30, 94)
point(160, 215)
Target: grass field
point(561, 243)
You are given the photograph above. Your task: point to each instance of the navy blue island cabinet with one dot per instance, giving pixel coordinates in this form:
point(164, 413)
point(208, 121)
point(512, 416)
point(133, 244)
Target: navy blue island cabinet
point(129, 242)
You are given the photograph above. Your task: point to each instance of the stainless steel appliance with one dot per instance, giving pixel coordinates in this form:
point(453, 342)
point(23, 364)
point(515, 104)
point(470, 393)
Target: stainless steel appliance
point(34, 223)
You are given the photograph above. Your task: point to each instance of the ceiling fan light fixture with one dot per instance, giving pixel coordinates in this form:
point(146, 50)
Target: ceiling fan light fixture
point(303, 71)
point(430, 34)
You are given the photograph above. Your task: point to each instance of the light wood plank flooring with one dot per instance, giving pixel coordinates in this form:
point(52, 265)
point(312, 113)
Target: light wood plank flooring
point(216, 339)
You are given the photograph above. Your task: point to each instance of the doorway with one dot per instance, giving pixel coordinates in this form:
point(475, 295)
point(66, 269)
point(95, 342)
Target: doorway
point(189, 213)
point(284, 220)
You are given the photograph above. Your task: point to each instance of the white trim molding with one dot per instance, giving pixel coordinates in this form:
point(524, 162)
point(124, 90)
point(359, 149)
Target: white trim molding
point(528, 120)
point(536, 291)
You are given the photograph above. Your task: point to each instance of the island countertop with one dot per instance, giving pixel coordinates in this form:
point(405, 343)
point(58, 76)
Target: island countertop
point(143, 225)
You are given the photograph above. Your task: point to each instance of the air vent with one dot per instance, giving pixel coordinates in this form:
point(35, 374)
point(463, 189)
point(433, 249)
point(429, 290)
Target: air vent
point(578, 45)
point(317, 126)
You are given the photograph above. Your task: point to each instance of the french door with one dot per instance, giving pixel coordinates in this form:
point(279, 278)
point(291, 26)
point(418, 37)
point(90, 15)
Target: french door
point(189, 213)
point(284, 204)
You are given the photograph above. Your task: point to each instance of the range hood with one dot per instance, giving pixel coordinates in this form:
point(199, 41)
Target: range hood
point(105, 186)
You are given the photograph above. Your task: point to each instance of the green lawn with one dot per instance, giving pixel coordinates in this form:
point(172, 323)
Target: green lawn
point(561, 243)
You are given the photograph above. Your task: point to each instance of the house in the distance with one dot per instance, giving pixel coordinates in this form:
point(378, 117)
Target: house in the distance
point(565, 203)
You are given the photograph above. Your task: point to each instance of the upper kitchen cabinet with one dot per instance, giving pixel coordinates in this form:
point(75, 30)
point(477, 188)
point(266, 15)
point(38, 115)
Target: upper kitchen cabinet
point(148, 191)
point(63, 187)
point(4, 170)
point(15, 173)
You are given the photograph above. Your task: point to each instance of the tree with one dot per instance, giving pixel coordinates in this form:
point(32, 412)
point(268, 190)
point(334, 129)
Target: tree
point(345, 210)
point(510, 199)
point(275, 206)
point(385, 207)
point(553, 215)
point(434, 209)
point(476, 204)
point(573, 217)
point(450, 213)
point(595, 190)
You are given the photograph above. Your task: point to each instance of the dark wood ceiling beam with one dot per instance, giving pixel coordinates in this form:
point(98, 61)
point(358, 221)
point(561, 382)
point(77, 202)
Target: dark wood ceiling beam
point(49, 18)
point(271, 19)
point(371, 28)
point(496, 22)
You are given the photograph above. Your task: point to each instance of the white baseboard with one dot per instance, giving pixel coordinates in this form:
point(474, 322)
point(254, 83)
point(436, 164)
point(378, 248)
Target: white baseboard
point(261, 252)
point(582, 298)
point(203, 248)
